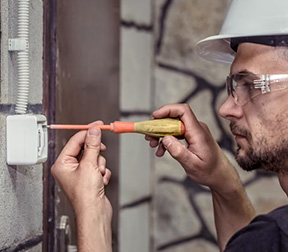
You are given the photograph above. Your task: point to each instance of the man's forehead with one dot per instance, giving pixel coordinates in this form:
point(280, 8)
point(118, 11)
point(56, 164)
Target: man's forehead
point(256, 58)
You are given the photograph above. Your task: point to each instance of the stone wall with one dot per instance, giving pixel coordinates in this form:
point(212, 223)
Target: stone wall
point(21, 186)
point(161, 208)
point(182, 210)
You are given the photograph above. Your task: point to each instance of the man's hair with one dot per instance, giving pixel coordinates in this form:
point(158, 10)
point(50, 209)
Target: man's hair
point(276, 41)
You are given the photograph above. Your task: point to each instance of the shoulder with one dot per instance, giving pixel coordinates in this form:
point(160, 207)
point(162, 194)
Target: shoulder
point(265, 233)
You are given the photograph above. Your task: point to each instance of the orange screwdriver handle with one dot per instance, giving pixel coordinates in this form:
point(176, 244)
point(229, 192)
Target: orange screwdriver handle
point(122, 127)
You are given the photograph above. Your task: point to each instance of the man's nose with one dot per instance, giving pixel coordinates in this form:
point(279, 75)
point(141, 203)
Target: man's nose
point(229, 109)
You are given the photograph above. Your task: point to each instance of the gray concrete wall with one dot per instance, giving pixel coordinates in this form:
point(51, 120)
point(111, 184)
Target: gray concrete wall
point(135, 105)
point(21, 186)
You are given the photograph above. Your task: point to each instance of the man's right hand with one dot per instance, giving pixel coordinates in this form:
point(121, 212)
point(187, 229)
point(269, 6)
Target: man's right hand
point(202, 158)
point(205, 163)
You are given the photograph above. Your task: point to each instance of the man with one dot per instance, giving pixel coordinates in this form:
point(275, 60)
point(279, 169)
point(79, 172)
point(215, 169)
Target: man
point(257, 110)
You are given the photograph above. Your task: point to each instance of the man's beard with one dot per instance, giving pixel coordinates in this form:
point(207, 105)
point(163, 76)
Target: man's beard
point(273, 158)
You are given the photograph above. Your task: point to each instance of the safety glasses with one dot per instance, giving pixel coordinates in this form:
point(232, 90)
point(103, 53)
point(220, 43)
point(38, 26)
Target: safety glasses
point(243, 87)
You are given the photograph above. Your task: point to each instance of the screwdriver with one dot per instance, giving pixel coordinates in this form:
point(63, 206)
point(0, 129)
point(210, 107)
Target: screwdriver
point(156, 127)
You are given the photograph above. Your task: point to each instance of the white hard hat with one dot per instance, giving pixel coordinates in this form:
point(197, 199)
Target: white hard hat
point(258, 21)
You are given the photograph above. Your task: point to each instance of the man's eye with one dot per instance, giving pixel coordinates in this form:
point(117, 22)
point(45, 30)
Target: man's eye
point(248, 85)
point(244, 85)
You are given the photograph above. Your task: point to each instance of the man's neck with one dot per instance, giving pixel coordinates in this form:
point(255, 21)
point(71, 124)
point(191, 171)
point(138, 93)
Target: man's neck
point(283, 180)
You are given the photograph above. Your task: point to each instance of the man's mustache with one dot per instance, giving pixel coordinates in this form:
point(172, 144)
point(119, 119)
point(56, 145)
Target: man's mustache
point(237, 130)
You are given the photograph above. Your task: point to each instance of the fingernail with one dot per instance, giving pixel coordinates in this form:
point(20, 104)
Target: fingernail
point(93, 132)
point(166, 141)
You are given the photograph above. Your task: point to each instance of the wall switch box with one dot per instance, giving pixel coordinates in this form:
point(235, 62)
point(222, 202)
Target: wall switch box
point(27, 139)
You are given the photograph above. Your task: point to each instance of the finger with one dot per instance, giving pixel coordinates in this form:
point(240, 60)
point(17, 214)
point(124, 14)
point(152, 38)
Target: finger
point(178, 151)
point(149, 138)
point(103, 147)
point(181, 111)
point(154, 141)
point(92, 146)
point(99, 122)
point(102, 169)
point(101, 161)
point(101, 164)
point(106, 177)
point(80, 155)
point(74, 145)
point(161, 150)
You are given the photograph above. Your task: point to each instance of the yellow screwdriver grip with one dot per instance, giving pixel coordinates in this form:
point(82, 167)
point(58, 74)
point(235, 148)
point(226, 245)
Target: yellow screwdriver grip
point(160, 127)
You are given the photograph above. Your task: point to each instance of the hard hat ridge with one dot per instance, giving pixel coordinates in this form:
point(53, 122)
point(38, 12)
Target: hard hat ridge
point(256, 21)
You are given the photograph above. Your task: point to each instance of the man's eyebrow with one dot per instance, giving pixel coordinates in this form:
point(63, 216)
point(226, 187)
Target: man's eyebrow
point(245, 71)
point(244, 75)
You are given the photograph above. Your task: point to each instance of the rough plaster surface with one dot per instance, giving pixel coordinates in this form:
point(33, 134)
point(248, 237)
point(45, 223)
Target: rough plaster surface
point(9, 59)
point(21, 186)
point(4, 56)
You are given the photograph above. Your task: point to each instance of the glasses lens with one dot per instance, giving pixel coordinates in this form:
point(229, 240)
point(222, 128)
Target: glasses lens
point(239, 86)
point(244, 87)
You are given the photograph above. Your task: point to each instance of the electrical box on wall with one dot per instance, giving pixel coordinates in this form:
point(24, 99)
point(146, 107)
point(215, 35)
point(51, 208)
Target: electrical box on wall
point(27, 139)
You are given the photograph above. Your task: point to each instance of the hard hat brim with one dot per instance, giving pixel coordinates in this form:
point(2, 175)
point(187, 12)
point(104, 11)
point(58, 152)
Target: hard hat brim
point(216, 49)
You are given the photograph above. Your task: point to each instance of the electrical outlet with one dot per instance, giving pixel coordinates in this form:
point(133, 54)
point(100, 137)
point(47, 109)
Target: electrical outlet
point(27, 140)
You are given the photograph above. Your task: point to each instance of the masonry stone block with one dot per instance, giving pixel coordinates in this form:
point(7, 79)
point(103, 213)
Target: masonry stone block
point(266, 194)
point(135, 229)
point(171, 87)
point(168, 166)
point(137, 11)
point(185, 24)
point(176, 218)
point(136, 72)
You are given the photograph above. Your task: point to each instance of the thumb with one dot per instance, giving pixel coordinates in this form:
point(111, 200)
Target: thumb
point(177, 150)
point(92, 146)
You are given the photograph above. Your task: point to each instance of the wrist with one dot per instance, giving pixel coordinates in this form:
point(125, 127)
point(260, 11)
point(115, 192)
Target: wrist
point(227, 181)
point(94, 227)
